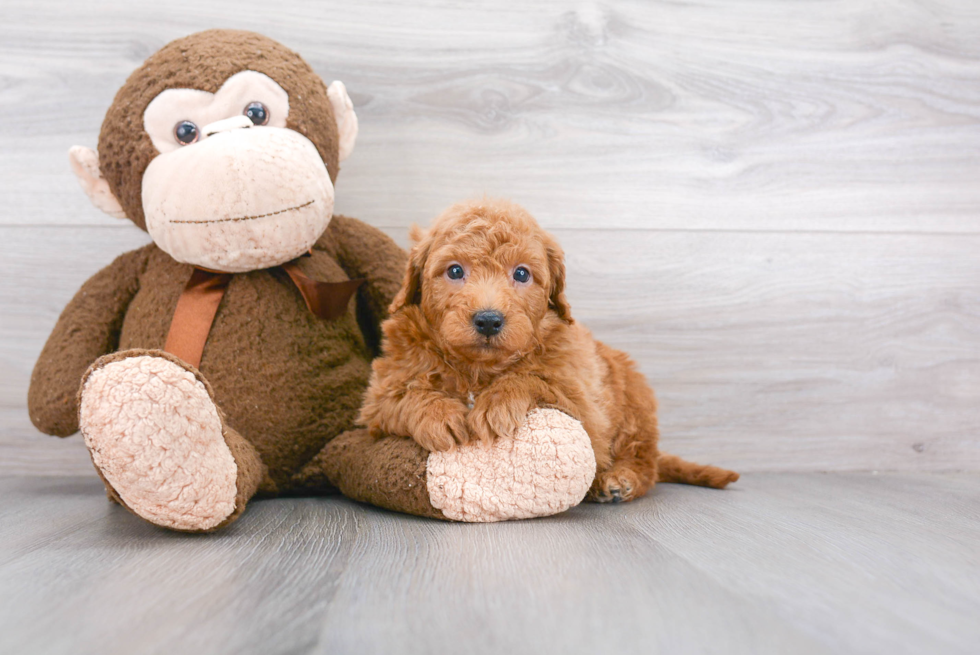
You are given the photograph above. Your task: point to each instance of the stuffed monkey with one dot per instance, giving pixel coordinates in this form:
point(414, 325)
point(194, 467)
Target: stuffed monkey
point(228, 359)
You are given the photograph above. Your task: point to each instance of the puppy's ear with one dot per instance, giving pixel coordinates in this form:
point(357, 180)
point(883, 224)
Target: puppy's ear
point(556, 271)
point(411, 291)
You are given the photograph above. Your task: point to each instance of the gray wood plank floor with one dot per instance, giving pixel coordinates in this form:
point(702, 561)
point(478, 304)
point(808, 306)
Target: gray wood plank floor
point(781, 563)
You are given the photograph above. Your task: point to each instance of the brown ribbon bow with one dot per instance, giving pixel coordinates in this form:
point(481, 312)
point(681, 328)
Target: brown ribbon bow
point(198, 305)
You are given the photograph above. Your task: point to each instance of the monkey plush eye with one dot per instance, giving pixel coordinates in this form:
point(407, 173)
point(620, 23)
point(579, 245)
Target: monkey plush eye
point(455, 272)
point(522, 275)
point(185, 132)
point(257, 113)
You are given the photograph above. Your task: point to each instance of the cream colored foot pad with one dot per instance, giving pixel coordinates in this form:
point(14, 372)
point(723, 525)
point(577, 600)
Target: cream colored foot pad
point(545, 469)
point(156, 436)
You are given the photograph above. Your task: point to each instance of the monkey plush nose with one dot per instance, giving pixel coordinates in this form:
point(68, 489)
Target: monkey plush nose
point(488, 323)
point(233, 123)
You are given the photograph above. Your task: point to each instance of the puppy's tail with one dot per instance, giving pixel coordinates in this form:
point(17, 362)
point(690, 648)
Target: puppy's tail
point(671, 468)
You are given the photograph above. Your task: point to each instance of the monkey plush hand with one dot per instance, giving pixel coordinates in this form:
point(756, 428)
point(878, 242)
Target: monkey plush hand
point(229, 358)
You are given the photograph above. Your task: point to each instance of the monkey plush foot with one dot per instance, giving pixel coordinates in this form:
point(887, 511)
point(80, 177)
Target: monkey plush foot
point(157, 439)
point(546, 468)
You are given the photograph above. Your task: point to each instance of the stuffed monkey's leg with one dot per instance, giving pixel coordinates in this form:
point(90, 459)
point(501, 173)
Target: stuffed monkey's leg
point(546, 468)
point(160, 444)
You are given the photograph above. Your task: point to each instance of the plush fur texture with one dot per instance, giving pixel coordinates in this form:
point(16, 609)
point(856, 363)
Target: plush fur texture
point(444, 383)
point(211, 111)
point(224, 221)
point(545, 469)
point(389, 472)
point(155, 434)
point(263, 337)
point(250, 471)
point(511, 479)
point(205, 61)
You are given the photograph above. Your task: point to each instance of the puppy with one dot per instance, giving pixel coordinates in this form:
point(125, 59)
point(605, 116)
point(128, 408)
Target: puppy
point(481, 333)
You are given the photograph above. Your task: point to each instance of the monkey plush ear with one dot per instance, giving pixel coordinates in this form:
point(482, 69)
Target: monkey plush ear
point(85, 165)
point(343, 111)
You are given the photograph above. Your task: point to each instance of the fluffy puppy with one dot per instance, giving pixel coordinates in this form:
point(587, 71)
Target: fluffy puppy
point(481, 333)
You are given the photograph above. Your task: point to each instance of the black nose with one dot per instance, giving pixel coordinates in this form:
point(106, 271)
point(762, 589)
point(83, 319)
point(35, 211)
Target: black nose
point(488, 323)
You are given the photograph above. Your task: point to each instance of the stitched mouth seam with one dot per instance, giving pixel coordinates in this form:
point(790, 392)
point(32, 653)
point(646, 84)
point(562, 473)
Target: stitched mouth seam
point(249, 218)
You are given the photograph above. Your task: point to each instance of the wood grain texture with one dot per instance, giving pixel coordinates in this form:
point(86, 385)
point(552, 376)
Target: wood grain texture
point(767, 351)
point(824, 115)
point(772, 206)
point(780, 563)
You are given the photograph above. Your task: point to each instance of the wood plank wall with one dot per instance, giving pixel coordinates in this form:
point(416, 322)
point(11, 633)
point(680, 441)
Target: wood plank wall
point(775, 206)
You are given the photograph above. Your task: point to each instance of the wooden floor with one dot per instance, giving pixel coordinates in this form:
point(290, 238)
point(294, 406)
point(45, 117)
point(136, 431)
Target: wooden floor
point(780, 563)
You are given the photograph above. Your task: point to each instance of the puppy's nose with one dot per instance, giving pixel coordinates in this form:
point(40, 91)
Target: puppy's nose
point(488, 323)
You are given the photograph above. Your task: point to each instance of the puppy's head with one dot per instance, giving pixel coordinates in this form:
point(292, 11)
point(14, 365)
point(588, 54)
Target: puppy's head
point(487, 279)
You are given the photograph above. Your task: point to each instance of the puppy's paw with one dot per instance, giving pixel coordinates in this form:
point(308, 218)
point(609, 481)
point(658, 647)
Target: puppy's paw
point(618, 486)
point(441, 425)
point(497, 413)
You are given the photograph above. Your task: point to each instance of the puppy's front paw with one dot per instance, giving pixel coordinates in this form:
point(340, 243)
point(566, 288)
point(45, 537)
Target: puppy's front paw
point(441, 425)
point(497, 413)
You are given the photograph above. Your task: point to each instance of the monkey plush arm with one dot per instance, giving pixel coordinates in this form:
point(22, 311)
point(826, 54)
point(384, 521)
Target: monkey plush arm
point(367, 252)
point(87, 329)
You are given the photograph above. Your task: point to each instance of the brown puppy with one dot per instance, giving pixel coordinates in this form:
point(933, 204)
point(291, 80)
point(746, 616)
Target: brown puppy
point(481, 333)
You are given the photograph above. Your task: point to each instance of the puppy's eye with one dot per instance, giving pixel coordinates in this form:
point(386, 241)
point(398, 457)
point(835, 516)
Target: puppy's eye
point(257, 113)
point(185, 132)
point(455, 272)
point(522, 275)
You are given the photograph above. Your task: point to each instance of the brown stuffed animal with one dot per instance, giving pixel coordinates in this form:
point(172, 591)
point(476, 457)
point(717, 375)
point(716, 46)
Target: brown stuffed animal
point(226, 359)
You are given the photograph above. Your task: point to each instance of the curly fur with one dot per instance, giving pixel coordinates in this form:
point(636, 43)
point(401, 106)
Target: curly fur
point(443, 383)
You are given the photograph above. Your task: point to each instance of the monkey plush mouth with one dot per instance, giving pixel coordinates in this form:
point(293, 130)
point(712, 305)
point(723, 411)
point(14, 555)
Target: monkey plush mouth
point(203, 203)
point(246, 218)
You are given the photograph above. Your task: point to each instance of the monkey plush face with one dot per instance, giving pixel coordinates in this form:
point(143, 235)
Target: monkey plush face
point(233, 189)
point(227, 162)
